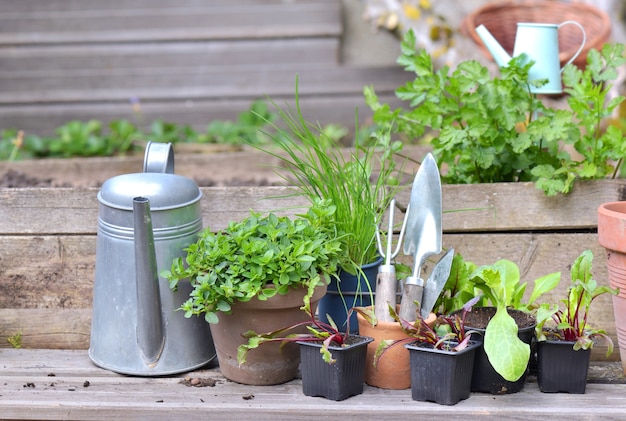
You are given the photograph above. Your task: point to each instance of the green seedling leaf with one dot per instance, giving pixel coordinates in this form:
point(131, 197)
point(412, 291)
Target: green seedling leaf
point(501, 334)
point(543, 285)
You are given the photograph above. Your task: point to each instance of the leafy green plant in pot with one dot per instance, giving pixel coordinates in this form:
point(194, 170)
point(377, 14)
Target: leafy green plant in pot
point(564, 337)
point(441, 357)
point(338, 373)
point(259, 270)
point(488, 129)
point(359, 184)
point(507, 325)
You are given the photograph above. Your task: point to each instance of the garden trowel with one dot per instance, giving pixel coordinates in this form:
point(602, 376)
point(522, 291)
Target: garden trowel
point(423, 232)
point(435, 283)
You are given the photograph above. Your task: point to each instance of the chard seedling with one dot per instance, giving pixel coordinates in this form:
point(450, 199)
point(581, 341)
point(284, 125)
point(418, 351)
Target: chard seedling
point(448, 332)
point(570, 322)
point(327, 333)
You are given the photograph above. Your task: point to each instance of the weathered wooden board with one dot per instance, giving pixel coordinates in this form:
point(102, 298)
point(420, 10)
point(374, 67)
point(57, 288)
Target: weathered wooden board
point(41, 22)
point(49, 328)
point(61, 275)
point(475, 208)
point(58, 226)
point(520, 206)
point(192, 83)
point(47, 272)
point(42, 120)
point(44, 384)
point(61, 279)
point(48, 61)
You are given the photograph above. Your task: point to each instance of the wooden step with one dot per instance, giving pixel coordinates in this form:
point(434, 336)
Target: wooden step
point(43, 119)
point(93, 21)
point(47, 384)
point(196, 83)
point(69, 60)
point(144, 58)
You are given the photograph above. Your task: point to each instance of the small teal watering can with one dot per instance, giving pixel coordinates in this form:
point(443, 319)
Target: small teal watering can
point(539, 41)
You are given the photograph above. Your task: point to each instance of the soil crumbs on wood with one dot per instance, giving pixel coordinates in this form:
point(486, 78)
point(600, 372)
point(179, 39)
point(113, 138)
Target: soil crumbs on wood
point(14, 178)
point(198, 382)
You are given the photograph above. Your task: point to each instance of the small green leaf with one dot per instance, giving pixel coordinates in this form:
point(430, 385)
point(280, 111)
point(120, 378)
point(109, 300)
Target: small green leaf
point(543, 285)
point(211, 317)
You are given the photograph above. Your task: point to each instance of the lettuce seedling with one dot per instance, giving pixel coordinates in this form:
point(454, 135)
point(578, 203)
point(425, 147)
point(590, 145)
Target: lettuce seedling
point(500, 282)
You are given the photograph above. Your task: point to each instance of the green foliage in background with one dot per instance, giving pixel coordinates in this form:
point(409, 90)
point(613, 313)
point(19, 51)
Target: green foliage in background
point(488, 129)
point(92, 138)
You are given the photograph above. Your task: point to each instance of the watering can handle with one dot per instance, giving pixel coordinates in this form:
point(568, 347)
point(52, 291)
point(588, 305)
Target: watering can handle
point(582, 45)
point(159, 157)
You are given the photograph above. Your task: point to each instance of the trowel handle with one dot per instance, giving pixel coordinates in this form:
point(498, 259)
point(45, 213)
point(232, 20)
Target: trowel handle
point(413, 291)
point(386, 286)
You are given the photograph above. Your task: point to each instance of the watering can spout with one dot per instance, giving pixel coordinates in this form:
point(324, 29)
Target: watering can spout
point(498, 53)
point(150, 336)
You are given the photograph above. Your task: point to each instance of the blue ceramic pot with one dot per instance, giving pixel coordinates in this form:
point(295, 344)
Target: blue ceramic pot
point(350, 291)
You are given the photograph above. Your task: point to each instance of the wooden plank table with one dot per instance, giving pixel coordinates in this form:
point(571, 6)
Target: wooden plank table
point(48, 384)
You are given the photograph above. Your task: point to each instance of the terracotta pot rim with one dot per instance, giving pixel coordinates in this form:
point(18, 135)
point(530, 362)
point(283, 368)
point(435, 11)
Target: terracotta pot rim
point(611, 223)
point(292, 299)
point(613, 209)
point(432, 317)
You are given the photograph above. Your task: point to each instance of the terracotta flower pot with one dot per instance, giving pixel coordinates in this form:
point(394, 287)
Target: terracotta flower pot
point(612, 236)
point(393, 370)
point(270, 363)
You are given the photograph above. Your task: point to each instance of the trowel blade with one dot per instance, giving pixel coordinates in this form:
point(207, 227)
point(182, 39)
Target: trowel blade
point(436, 282)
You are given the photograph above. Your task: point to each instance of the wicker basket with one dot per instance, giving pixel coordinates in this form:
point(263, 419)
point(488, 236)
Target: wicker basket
point(501, 20)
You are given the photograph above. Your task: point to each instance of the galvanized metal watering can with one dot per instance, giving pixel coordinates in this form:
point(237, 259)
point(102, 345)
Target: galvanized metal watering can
point(540, 43)
point(145, 220)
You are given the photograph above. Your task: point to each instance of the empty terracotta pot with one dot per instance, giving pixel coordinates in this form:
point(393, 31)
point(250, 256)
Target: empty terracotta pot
point(393, 370)
point(612, 236)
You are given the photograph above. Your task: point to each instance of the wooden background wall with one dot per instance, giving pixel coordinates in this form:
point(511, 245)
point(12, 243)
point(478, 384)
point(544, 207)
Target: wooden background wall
point(185, 61)
point(47, 241)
